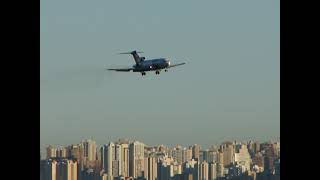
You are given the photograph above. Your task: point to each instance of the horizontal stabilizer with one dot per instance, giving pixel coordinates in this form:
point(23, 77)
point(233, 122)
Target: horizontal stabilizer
point(121, 69)
point(132, 52)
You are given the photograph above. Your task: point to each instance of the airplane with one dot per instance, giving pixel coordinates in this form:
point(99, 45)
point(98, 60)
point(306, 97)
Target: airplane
point(143, 65)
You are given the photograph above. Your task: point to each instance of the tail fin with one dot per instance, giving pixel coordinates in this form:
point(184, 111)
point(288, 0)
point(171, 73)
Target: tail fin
point(135, 55)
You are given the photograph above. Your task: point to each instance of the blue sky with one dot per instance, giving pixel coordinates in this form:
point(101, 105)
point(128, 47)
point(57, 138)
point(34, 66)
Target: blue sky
point(229, 88)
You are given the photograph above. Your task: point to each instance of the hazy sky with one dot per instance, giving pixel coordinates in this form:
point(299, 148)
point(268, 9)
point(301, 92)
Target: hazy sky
point(229, 88)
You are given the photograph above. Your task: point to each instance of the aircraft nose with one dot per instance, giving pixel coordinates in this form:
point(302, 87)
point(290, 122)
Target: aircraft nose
point(167, 61)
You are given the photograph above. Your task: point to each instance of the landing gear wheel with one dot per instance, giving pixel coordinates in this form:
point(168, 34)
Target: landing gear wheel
point(166, 70)
point(143, 73)
point(157, 72)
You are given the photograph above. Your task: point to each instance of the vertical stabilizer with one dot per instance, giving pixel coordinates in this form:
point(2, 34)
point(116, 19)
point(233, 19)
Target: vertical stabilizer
point(135, 55)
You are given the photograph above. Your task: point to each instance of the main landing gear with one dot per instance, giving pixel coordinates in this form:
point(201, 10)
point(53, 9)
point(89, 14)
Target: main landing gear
point(143, 73)
point(157, 72)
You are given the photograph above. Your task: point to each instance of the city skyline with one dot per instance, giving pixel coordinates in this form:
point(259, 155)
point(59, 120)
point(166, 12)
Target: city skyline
point(131, 159)
point(203, 146)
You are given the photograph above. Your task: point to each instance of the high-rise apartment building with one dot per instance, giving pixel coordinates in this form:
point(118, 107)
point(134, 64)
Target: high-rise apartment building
point(61, 152)
point(212, 156)
point(186, 154)
point(269, 157)
point(212, 171)
point(242, 157)
point(163, 171)
point(228, 153)
point(89, 150)
point(117, 160)
point(187, 176)
point(61, 169)
point(220, 157)
point(168, 169)
point(125, 159)
point(258, 160)
point(151, 165)
point(220, 170)
point(196, 151)
point(112, 159)
point(74, 152)
point(57, 152)
point(103, 158)
point(51, 152)
point(250, 146)
point(176, 168)
point(136, 156)
point(204, 171)
point(72, 170)
point(162, 149)
point(177, 154)
point(192, 167)
point(256, 147)
point(276, 149)
point(203, 155)
point(105, 176)
point(108, 153)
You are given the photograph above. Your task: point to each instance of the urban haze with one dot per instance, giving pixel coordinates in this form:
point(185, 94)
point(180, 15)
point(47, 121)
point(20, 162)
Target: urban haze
point(228, 90)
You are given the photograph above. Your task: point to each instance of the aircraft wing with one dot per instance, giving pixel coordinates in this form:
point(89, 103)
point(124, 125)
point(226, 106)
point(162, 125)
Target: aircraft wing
point(174, 65)
point(121, 69)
